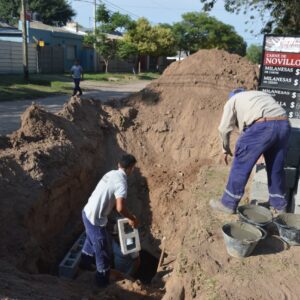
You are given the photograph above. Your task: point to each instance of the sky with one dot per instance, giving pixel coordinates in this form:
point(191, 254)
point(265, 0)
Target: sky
point(167, 11)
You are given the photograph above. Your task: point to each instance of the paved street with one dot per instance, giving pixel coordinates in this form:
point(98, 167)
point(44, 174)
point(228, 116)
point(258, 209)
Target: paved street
point(10, 111)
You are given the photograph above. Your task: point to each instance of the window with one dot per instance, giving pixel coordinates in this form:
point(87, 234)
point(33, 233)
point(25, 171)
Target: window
point(71, 52)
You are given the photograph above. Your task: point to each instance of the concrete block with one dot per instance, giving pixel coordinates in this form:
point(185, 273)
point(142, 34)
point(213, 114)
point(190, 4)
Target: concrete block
point(129, 237)
point(69, 265)
point(290, 177)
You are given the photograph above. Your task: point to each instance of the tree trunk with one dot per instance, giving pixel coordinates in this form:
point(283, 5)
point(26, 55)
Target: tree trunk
point(139, 70)
point(106, 66)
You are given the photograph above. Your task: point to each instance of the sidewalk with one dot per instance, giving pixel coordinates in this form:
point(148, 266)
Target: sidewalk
point(10, 111)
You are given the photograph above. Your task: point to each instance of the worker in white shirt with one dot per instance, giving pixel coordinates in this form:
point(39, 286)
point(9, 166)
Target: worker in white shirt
point(265, 129)
point(110, 192)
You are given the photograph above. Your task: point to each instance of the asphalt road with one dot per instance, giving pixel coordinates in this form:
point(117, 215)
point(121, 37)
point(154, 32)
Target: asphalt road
point(10, 111)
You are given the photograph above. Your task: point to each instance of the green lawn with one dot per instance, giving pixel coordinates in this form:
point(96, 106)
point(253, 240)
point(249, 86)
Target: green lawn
point(123, 77)
point(13, 87)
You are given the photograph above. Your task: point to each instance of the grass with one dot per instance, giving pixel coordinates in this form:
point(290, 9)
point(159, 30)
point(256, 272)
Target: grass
point(120, 76)
point(14, 87)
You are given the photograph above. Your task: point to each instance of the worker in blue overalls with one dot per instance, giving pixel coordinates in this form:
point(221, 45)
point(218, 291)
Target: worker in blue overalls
point(265, 129)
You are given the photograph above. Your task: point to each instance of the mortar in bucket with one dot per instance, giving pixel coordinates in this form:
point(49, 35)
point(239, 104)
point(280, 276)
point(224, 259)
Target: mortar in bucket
point(241, 238)
point(288, 225)
point(255, 214)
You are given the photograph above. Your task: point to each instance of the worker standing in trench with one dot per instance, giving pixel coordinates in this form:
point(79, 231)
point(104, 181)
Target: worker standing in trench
point(110, 192)
point(265, 129)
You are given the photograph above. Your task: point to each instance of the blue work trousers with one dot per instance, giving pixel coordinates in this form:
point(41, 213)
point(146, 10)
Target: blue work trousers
point(97, 244)
point(269, 138)
point(77, 86)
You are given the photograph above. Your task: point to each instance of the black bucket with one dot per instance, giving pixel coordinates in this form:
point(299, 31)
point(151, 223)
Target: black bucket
point(241, 238)
point(255, 214)
point(288, 225)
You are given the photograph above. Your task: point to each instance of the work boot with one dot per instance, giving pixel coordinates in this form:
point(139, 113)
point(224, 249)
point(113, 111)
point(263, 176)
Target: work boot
point(219, 206)
point(102, 278)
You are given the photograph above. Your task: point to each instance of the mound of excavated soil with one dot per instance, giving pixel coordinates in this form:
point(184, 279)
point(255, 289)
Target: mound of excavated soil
point(50, 165)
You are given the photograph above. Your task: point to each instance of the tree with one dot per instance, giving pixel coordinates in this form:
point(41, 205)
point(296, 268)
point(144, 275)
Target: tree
point(254, 53)
point(200, 31)
point(144, 39)
point(280, 16)
point(106, 47)
point(110, 22)
point(52, 12)
point(10, 11)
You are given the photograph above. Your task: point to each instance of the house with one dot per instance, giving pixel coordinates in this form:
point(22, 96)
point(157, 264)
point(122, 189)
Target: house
point(11, 60)
point(62, 44)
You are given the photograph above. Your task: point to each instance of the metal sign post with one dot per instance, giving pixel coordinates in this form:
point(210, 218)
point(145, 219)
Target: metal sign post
point(24, 36)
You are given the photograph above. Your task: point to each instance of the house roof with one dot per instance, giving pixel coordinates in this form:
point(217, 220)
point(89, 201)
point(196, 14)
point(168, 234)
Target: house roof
point(5, 25)
point(6, 29)
point(42, 26)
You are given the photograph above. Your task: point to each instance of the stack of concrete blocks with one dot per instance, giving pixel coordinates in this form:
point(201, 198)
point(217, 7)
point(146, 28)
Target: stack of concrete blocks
point(69, 265)
point(259, 189)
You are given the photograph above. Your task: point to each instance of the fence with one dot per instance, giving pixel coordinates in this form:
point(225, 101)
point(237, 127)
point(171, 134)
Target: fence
point(11, 57)
point(51, 59)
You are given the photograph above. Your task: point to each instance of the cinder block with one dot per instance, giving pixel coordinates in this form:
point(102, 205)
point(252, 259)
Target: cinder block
point(69, 265)
point(290, 177)
point(129, 237)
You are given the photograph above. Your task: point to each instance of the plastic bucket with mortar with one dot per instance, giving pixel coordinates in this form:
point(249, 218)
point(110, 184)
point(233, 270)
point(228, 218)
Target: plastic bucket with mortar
point(289, 228)
point(255, 214)
point(241, 238)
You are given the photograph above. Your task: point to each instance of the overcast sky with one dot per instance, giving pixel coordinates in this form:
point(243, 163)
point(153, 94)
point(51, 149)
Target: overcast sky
point(166, 11)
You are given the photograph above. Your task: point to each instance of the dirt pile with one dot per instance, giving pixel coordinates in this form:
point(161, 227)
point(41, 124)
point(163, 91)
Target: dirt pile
point(49, 167)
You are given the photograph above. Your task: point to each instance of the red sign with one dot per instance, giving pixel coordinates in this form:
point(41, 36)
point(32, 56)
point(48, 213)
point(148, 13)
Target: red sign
point(281, 59)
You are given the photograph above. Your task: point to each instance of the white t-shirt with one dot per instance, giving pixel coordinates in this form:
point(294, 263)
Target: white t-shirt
point(103, 199)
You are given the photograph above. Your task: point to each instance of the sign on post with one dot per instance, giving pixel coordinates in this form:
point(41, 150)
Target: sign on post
point(280, 72)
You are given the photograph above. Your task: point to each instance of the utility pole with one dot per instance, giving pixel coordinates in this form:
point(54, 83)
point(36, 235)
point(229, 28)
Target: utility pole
point(24, 43)
point(95, 24)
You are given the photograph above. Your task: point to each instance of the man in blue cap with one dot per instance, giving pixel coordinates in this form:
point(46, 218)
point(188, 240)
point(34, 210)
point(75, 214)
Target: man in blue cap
point(265, 129)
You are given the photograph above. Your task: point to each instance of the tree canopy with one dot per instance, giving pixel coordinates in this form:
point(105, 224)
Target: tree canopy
point(150, 40)
point(279, 16)
point(200, 31)
point(112, 21)
point(51, 12)
point(254, 53)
